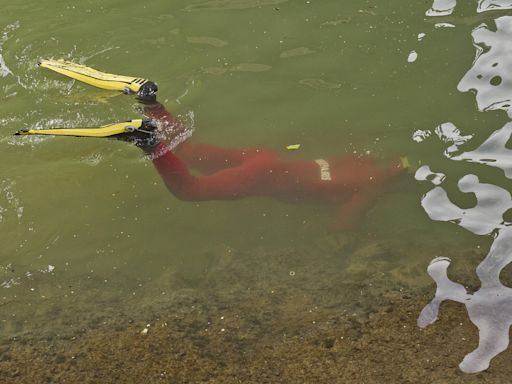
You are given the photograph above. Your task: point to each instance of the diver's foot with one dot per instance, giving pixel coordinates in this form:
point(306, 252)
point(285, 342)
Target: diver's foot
point(145, 136)
point(147, 92)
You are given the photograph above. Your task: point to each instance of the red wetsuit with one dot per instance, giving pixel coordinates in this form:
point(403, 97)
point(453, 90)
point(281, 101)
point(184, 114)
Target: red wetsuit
point(350, 182)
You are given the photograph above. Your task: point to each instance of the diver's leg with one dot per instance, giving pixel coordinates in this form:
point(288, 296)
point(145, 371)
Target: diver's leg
point(350, 212)
point(207, 158)
point(226, 184)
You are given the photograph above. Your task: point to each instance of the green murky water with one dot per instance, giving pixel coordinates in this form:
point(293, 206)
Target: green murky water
point(88, 224)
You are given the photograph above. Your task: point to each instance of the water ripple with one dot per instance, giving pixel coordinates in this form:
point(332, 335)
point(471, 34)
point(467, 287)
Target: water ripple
point(489, 76)
point(493, 151)
point(446, 7)
point(231, 4)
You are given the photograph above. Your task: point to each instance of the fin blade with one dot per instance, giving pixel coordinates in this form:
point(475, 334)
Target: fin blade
point(93, 77)
point(103, 131)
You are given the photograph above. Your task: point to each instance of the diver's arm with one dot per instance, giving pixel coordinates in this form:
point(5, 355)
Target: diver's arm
point(227, 184)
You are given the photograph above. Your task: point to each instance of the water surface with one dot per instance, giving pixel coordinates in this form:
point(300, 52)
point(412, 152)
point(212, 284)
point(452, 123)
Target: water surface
point(90, 231)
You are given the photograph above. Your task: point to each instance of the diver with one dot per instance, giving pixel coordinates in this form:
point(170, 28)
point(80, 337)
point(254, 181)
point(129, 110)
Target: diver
point(350, 183)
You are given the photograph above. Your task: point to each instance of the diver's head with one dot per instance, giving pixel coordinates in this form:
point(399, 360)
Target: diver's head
point(147, 92)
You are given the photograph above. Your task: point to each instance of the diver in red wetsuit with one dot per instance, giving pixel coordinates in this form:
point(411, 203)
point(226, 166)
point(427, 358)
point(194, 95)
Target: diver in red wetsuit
point(350, 182)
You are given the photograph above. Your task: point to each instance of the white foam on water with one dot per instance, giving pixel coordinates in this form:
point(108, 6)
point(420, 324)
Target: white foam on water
point(413, 55)
point(175, 134)
point(4, 69)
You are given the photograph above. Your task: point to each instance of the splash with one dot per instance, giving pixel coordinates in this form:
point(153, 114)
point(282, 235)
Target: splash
point(4, 69)
point(177, 132)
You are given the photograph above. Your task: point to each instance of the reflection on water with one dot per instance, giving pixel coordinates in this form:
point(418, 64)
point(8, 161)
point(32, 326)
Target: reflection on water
point(490, 307)
point(446, 7)
point(425, 173)
point(232, 4)
point(486, 216)
point(493, 151)
point(489, 5)
point(442, 8)
point(490, 75)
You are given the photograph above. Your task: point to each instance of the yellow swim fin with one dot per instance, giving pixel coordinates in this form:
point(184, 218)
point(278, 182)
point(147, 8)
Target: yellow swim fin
point(103, 131)
point(145, 89)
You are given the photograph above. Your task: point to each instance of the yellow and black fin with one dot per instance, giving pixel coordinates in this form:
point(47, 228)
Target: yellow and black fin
point(142, 87)
point(103, 131)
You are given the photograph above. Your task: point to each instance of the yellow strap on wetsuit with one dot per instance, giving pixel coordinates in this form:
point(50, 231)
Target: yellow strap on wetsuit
point(104, 131)
point(94, 77)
